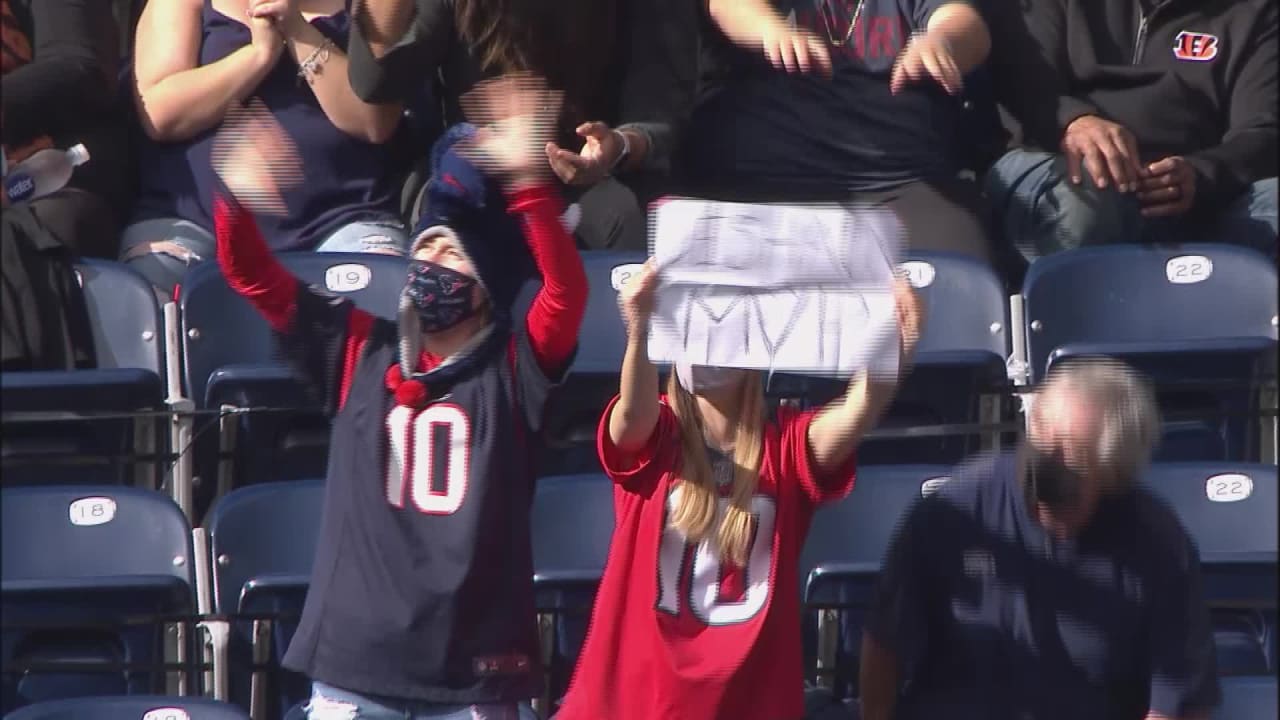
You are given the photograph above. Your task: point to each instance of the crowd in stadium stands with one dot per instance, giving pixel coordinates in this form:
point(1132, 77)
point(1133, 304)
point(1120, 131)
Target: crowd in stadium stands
point(1003, 131)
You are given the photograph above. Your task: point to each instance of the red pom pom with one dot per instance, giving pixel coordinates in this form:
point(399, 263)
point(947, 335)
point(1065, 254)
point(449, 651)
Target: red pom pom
point(411, 393)
point(393, 378)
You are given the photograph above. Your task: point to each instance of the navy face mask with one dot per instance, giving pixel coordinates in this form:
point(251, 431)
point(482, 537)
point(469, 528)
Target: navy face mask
point(1053, 482)
point(442, 297)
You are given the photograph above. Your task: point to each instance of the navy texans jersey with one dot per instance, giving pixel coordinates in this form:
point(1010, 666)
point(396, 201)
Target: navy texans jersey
point(422, 586)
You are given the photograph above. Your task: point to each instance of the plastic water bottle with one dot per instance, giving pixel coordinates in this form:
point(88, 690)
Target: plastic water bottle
point(44, 172)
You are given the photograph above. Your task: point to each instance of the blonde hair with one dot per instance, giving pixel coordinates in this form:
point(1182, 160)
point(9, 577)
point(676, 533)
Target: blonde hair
point(698, 501)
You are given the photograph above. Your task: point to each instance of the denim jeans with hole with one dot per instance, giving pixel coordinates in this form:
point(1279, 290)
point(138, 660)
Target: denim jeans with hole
point(1041, 212)
point(330, 703)
point(162, 249)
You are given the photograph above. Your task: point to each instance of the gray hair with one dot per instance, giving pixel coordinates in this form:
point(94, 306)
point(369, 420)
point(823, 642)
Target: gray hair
point(1130, 419)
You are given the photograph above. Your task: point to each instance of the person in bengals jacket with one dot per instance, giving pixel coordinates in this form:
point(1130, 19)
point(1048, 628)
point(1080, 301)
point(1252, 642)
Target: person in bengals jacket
point(1170, 117)
point(421, 597)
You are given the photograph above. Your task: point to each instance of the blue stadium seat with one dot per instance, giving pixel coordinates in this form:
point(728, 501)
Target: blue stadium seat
point(574, 411)
point(960, 357)
point(152, 707)
point(572, 527)
point(1248, 698)
point(1199, 319)
point(263, 541)
point(89, 575)
point(843, 553)
point(128, 337)
point(1229, 509)
point(231, 359)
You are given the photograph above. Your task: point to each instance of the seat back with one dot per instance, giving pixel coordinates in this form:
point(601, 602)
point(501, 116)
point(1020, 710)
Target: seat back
point(1200, 320)
point(152, 707)
point(1229, 509)
point(574, 410)
point(572, 527)
point(263, 540)
point(1247, 698)
point(128, 338)
point(231, 358)
point(94, 535)
point(220, 328)
point(89, 576)
point(846, 544)
point(124, 313)
point(1130, 297)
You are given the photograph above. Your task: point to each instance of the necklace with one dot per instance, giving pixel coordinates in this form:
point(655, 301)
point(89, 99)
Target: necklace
point(824, 10)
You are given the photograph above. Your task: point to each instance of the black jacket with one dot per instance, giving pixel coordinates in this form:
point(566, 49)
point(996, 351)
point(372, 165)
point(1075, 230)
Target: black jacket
point(1195, 78)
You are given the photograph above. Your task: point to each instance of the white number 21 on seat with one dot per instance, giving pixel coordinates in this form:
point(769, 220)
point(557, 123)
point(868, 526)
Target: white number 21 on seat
point(412, 444)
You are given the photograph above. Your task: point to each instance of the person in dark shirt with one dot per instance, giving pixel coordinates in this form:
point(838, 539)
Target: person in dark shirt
point(1171, 117)
point(422, 595)
point(1043, 583)
point(58, 90)
point(835, 100)
point(613, 59)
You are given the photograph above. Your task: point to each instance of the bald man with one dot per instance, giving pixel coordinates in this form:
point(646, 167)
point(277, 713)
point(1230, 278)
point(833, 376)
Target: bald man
point(1043, 583)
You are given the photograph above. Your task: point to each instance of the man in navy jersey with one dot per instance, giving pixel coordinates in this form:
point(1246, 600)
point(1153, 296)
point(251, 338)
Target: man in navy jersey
point(1042, 584)
point(421, 603)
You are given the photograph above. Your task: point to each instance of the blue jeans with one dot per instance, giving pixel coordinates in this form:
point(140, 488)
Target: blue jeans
point(162, 249)
point(1042, 212)
point(330, 703)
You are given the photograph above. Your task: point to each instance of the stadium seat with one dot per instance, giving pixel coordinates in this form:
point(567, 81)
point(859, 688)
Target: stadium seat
point(1248, 698)
point(572, 527)
point(574, 411)
point(129, 340)
point(1229, 509)
point(263, 540)
point(152, 707)
point(842, 556)
point(1199, 319)
point(90, 576)
point(959, 359)
point(231, 360)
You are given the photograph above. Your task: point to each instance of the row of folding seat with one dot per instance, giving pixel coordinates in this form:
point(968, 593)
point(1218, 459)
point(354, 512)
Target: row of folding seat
point(1200, 319)
point(77, 562)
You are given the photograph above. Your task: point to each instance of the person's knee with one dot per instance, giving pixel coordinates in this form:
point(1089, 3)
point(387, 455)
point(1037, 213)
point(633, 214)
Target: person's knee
point(611, 218)
point(1084, 214)
point(163, 250)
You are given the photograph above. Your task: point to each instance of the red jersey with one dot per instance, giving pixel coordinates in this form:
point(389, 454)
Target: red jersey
point(678, 634)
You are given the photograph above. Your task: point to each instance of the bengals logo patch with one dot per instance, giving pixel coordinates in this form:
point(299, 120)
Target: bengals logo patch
point(1195, 47)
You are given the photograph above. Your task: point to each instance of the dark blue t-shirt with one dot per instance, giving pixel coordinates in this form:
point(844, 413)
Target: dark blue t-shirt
point(997, 620)
point(758, 128)
point(345, 179)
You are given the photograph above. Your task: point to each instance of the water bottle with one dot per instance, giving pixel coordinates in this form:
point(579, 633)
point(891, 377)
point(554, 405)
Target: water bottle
point(44, 172)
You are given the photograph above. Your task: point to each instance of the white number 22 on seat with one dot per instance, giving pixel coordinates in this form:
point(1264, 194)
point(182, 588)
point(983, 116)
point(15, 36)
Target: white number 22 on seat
point(1187, 269)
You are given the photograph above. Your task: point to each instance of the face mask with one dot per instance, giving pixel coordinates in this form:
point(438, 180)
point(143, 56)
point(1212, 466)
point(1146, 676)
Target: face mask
point(702, 378)
point(1053, 482)
point(443, 297)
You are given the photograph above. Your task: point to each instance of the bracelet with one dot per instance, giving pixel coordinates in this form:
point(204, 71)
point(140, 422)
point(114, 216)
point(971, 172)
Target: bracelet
point(310, 67)
point(626, 150)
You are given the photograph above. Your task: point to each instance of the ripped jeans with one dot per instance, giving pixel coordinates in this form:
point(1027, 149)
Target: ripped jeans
point(162, 249)
point(330, 703)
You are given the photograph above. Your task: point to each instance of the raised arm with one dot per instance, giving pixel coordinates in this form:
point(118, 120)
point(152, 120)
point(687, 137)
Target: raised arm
point(177, 98)
point(839, 427)
point(396, 44)
point(635, 415)
point(324, 65)
point(555, 316)
point(321, 335)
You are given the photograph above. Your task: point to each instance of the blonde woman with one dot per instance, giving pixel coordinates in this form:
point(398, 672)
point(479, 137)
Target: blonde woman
point(697, 613)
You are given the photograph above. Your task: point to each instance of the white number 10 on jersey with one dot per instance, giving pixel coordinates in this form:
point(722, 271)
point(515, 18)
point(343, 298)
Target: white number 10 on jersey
point(704, 585)
point(438, 485)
